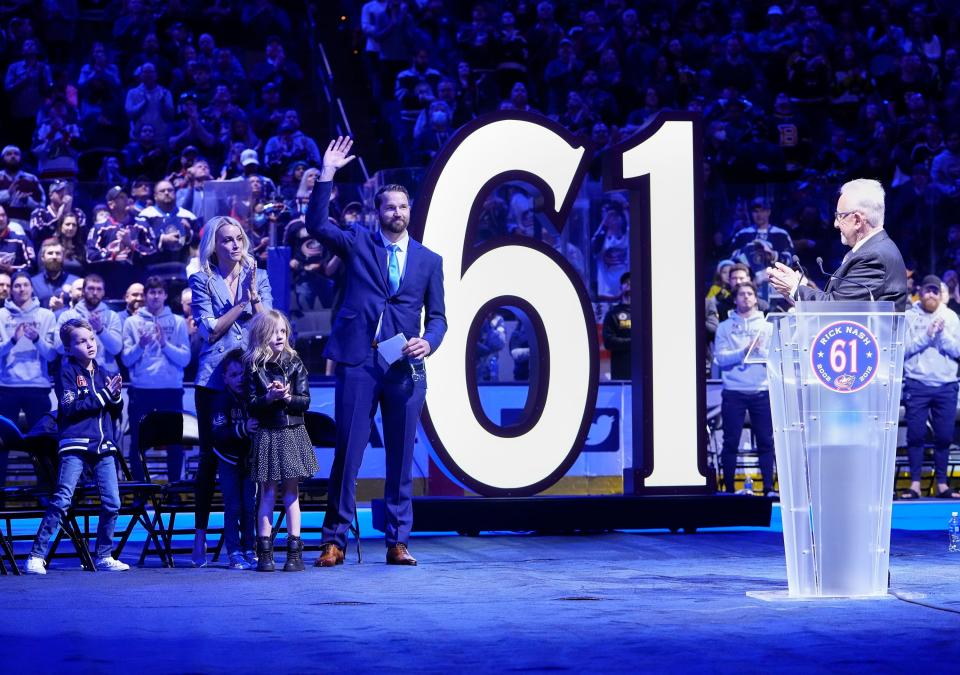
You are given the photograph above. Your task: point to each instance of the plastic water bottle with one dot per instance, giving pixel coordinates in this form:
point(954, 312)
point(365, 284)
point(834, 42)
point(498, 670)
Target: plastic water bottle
point(747, 485)
point(953, 531)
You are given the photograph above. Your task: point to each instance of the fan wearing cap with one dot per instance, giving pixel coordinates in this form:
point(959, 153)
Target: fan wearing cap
point(116, 235)
point(763, 230)
point(930, 384)
point(776, 38)
point(45, 222)
point(250, 162)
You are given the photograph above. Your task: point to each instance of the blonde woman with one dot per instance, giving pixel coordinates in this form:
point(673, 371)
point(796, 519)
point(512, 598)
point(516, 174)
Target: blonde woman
point(302, 198)
point(227, 293)
point(278, 395)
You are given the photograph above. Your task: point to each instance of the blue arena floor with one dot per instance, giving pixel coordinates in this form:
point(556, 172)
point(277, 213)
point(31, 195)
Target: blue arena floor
point(618, 602)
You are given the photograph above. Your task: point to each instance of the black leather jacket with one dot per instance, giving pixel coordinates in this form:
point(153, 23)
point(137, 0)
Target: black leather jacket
point(277, 414)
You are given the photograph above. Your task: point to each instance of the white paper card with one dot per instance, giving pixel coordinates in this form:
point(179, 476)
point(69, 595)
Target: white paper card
point(391, 350)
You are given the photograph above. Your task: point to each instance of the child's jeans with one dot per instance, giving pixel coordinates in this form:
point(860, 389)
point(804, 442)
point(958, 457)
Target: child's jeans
point(104, 469)
point(239, 507)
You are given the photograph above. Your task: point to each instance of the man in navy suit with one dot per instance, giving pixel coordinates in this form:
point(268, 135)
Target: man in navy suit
point(390, 279)
point(873, 268)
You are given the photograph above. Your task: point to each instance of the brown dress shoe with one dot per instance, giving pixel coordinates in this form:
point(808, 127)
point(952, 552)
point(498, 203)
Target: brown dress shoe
point(399, 555)
point(330, 555)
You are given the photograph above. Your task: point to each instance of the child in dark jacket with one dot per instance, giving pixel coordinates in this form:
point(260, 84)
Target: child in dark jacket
point(232, 431)
point(279, 394)
point(88, 417)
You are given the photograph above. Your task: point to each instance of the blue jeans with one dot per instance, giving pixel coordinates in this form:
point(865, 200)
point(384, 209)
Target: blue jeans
point(733, 411)
point(939, 402)
point(239, 507)
point(104, 469)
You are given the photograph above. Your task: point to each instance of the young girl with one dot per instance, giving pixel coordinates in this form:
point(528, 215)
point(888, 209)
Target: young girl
point(278, 395)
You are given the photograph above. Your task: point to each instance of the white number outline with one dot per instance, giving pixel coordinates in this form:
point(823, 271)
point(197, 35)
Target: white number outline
point(539, 387)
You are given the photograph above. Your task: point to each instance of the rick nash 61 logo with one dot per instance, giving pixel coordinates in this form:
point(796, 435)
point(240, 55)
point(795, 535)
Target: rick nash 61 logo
point(844, 356)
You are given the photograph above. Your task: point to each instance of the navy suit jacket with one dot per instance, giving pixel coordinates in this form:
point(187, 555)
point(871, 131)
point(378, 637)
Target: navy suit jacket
point(877, 265)
point(367, 293)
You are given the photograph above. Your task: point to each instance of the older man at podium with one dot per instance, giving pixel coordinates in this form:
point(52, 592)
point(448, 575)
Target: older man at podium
point(872, 270)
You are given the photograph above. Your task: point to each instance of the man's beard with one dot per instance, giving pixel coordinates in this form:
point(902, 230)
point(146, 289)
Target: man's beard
point(53, 267)
point(12, 166)
point(92, 304)
point(930, 304)
point(395, 225)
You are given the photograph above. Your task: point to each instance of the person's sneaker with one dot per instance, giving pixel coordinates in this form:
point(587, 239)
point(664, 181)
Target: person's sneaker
point(35, 565)
point(238, 561)
point(111, 565)
point(773, 494)
point(251, 558)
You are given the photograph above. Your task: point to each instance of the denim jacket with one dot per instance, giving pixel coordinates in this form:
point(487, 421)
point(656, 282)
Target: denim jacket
point(211, 300)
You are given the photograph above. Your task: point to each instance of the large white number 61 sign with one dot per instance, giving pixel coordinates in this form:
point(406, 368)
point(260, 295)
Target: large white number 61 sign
point(658, 167)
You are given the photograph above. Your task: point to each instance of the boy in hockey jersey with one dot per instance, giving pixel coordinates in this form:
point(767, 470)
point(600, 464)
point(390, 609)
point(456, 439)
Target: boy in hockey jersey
point(88, 418)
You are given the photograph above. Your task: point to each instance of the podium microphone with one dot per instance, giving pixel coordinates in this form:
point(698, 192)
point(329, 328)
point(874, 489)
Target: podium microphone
point(799, 267)
point(852, 281)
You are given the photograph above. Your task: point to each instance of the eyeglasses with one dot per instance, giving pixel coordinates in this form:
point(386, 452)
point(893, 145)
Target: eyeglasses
point(840, 215)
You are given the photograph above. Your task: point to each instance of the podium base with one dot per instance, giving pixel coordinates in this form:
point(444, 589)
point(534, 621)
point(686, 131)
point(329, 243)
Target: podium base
point(784, 596)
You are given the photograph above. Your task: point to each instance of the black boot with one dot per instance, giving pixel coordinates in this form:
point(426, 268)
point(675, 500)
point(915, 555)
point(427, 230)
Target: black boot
point(265, 555)
point(294, 555)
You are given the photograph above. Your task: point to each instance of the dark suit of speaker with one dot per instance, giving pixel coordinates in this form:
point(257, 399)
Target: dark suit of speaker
point(363, 379)
point(876, 267)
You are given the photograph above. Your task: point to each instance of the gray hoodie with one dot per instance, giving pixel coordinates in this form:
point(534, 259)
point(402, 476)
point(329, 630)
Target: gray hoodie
point(931, 360)
point(734, 337)
point(24, 363)
point(153, 366)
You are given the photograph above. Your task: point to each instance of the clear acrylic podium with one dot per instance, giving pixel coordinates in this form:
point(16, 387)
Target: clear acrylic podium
point(835, 399)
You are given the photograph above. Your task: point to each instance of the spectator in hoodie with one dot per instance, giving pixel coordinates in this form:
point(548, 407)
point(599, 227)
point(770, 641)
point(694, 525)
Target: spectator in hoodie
point(26, 347)
point(156, 350)
point(930, 385)
point(88, 418)
point(745, 387)
point(232, 431)
point(104, 321)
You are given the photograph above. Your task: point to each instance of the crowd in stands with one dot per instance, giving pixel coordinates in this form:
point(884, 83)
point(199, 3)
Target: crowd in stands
point(795, 98)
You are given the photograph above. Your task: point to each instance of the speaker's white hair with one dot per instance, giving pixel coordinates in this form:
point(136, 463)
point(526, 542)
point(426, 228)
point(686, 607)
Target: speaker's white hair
point(865, 195)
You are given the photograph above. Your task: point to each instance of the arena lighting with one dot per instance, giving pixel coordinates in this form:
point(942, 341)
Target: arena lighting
point(521, 272)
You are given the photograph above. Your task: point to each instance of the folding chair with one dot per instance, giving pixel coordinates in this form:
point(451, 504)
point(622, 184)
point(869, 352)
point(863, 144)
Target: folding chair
point(167, 427)
point(314, 492)
point(43, 451)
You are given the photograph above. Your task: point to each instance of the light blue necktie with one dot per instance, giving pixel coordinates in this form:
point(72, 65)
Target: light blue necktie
point(393, 269)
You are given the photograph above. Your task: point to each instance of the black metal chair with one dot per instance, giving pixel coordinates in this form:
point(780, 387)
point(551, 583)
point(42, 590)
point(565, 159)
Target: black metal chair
point(160, 428)
point(314, 492)
point(43, 451)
